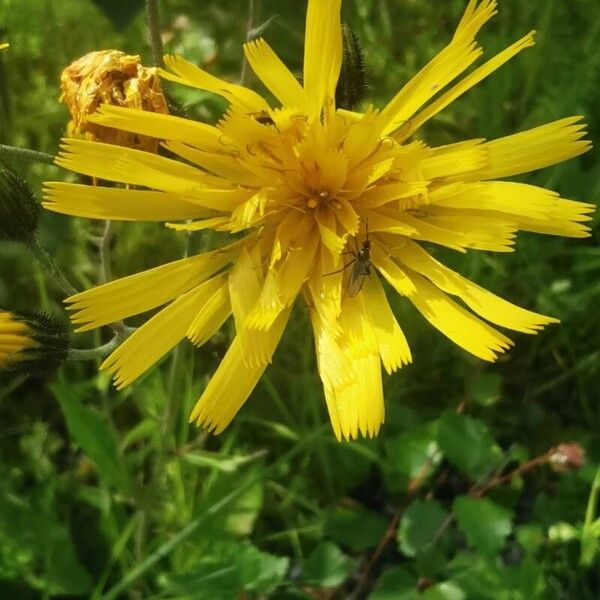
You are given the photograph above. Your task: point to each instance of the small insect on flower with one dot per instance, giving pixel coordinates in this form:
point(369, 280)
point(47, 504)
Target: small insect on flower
point(360, 263)
point(262, 117)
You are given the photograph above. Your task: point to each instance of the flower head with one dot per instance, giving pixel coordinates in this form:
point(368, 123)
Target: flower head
point(3, 46)
point(329, 204)
point(19, 208)
point(115, 78)
point(31, 343)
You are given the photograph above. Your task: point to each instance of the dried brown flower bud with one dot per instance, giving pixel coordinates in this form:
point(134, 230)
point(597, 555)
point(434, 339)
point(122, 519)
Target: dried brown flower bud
point(566, 457)
point(110, 77)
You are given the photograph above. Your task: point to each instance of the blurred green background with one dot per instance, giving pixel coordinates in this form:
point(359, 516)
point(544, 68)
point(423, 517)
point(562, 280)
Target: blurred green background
point(113, 495)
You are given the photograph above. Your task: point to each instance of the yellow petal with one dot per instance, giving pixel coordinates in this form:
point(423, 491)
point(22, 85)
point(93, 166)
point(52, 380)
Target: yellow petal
point(529, 207)
point(391, 271)
point(228, 167)
point(460, 326)
point(233, 381)
point(95, 202)
point(187, 73)
point(471, 80)
point(392, 344)
point(4, 45)
point(453, 161)
point(166, 127)
point(383, 194)
point(478, 299)
point(159, 335)
point(322, 51)
point(437, 74)
point(216, 223)
point(140, 292)
point(284, 282)
point(358, 401)
point(278, 79)
point(534, 149)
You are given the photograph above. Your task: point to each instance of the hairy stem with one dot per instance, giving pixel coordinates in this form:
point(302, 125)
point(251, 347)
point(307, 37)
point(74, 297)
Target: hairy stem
point(27, 154)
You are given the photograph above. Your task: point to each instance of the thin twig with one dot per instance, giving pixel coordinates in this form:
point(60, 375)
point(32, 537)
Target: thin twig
point(249, 28)
point(27, 154)
point(154, 28)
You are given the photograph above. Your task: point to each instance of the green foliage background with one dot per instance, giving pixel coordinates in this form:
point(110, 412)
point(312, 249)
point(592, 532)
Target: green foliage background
point(112, 495)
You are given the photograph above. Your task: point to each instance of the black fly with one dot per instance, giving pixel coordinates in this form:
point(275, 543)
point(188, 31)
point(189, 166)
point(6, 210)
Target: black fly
point(360, 263)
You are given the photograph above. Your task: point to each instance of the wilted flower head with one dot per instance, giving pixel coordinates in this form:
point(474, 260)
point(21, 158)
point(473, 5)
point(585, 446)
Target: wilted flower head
point(19, 209)
point(34, 344)
point(115, 78)
point(329, 204)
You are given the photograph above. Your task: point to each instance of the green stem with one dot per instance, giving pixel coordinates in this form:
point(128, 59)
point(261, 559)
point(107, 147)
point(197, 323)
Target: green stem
point(26, 154)
point(42, 256)
point(167, 547)
point(154, 27)
point(92, 353)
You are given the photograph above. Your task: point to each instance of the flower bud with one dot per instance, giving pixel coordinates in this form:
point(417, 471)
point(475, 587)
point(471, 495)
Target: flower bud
point(567, 457)
point(31, 343)
point(19, 209)
point(110, 77)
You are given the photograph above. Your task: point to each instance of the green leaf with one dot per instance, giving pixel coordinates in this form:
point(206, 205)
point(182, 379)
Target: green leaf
point(408, 453)
point(419, 525)
point(484, 523)
point(485, 389)
point(444, 591)
point(327, 566)
point(354, 527)
point(531, 537)
point(467, 444)
point(92, 434)
point(260, 572)
point(394, 584)
point(241, 514)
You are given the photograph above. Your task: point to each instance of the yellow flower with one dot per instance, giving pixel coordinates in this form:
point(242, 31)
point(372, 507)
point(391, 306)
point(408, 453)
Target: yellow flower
point(15, 337)
point(110, 77)
point(2, 46)
point(312, 188)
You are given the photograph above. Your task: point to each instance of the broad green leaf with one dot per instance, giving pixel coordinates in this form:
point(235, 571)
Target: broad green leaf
point(467, 444)
point(484, 523)
point(444, 591)
point(419, 525)
point(395, 584)
point(408, 453)
point(260, 572)
point(92, 434)
point(327, 566)
point(354, 527)
point(239, 516)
